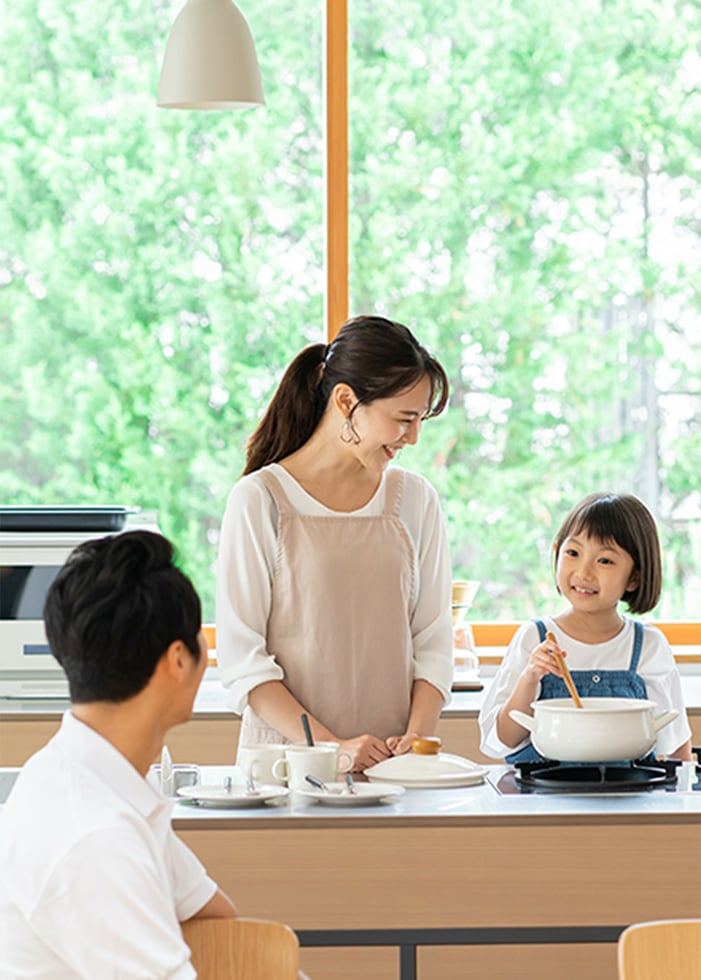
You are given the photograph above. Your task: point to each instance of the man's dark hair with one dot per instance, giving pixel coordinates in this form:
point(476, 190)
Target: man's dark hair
point(114, 609)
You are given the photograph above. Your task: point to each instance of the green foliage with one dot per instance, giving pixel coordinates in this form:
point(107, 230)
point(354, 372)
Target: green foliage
point(522, 179)
point(524, 193)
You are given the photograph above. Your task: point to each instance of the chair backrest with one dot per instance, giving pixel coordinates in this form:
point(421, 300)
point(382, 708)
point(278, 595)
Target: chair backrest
point(665, 950)
point(242, 949)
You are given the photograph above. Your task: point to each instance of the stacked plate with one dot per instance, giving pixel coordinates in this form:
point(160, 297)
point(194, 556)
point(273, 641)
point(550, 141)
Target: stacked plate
point(427, 771)
point(231, 798)
point(365, 794)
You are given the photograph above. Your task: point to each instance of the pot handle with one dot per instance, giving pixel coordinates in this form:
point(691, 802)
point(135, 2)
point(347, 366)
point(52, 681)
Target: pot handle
point(659, 721)
point(528, 721)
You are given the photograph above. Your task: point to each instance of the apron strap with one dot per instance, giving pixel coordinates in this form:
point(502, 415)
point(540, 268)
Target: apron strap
point(393, 493)
point(637, 647)
point(541, 628)
point(274, 488)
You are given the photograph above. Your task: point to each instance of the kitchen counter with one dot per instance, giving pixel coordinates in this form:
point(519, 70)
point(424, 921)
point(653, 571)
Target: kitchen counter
point(468, 806)
point(211, 736)
point(211, 698)
point(459, 883)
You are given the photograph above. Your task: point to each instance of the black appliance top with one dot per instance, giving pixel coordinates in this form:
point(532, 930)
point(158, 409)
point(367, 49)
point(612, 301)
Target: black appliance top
point(64, 518)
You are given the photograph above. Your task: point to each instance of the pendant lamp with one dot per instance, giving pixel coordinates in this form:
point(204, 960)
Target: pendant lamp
point(210, 61)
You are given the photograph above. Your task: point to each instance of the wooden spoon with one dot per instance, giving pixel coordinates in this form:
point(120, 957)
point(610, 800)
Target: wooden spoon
point(564, 670)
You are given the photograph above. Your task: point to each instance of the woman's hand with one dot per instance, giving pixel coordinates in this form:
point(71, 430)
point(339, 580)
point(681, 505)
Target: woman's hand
point(399, 744)
point(366, 750)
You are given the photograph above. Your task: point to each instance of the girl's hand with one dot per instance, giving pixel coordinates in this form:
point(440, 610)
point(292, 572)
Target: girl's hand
point(542, 662)
point(366, 750)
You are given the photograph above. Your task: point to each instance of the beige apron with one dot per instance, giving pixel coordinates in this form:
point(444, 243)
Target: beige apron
point(340, 617)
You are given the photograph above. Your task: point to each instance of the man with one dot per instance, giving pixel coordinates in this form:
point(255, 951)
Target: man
point(93, 881)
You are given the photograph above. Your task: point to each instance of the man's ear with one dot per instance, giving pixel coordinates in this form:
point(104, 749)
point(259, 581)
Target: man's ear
point(174, 659)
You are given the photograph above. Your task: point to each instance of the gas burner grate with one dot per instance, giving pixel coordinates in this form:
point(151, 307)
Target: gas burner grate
point(556, 776)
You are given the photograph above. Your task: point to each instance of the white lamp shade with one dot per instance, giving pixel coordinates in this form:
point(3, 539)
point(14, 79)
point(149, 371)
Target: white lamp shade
point(210, 61)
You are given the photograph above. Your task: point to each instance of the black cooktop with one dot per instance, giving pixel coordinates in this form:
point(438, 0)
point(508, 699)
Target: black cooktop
point(626, 777)
point(604, 778)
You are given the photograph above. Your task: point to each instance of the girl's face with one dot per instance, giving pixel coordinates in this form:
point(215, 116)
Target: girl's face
point(593, 574)
point(385, 426)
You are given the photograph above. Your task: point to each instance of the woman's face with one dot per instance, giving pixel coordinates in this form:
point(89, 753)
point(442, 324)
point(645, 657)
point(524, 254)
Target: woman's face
point(385, 426)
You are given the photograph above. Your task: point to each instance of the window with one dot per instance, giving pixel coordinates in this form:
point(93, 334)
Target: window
point(524, 193)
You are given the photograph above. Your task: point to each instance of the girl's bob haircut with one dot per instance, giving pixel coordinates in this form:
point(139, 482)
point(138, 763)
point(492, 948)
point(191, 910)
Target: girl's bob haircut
point(624, 519)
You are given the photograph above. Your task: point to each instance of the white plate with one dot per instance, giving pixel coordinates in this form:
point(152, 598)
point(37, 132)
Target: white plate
point(365, 794)
point(235, 797)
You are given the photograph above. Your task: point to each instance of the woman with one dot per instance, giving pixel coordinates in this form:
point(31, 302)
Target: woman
point(333, 592)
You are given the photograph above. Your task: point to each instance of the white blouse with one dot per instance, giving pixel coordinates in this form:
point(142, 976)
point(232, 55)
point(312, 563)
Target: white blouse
point(246, 567)
point(656, 667)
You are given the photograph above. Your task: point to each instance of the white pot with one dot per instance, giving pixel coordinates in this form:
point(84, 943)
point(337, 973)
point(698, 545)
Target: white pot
point(602, 730)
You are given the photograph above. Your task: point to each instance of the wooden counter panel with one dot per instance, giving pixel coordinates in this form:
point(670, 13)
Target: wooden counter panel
point(22, 736)
point(461, 736)
point(350, 963)
point(578, 961)
point(212, 740)
point(550, 875)
point(206, 741)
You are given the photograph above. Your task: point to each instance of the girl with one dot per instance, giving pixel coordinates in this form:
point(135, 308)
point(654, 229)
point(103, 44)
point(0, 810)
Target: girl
point(606, 551)
point(333, 592)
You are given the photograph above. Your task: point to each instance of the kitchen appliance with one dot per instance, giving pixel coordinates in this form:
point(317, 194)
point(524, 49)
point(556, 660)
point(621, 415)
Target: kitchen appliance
point(670, 775)
point(34, 544)
point(61, 518)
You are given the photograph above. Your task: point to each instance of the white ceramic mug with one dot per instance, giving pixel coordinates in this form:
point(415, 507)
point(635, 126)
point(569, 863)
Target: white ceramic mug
point(322, 760)
point(256, 762)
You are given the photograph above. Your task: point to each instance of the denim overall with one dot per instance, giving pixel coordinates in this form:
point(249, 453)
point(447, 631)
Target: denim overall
point(590, 684)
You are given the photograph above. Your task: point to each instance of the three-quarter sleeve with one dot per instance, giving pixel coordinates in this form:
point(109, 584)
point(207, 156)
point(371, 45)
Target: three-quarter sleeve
point(431, 625)
point(246, 564)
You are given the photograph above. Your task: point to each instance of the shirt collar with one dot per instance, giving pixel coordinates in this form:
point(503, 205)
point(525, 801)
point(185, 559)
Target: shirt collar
point(87, 748)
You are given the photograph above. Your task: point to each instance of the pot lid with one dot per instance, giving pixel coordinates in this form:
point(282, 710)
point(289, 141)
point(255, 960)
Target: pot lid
point(428, 771)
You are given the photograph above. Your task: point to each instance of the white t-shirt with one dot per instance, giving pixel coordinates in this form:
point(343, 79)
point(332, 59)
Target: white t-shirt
point(656, 667)
point(93, 880)
point(246, 567)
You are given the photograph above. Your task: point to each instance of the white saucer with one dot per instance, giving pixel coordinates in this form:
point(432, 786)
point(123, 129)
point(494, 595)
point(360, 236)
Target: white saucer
point(237, 796)
point(365, 794)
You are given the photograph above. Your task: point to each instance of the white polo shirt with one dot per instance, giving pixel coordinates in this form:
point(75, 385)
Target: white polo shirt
point(93, 880)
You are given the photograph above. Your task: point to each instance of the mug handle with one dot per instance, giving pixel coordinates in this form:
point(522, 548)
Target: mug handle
point(280, 769)
point(345, 761)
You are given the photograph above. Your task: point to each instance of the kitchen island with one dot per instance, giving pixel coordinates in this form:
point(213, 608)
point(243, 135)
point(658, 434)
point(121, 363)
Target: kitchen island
point(459, 883)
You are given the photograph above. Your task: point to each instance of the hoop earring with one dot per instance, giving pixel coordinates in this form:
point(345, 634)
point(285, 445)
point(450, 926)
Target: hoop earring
point(346, 433)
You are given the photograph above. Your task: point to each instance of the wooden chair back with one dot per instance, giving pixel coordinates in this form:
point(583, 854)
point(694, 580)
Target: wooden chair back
point(242, 949)
point(664, 950)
